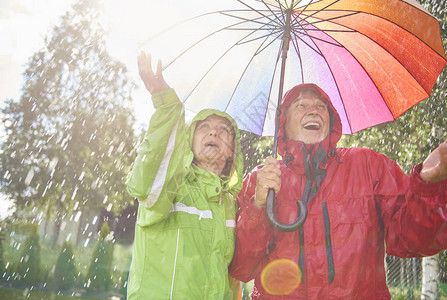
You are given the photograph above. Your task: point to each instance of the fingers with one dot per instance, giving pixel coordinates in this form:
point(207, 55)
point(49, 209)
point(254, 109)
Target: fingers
point(268, 177)
point(272, 165)
point(269, 180)
point(145, 65)
point(434, 168)
point(154, 82)
point(159, 69)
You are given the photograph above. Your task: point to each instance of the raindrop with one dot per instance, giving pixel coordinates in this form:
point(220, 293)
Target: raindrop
point(29, 177)
point(120, 147)
point(44, 191)
point(94, 220)
point(74, 192)
point(109, 207)
point(78, 215)
point(86, 243)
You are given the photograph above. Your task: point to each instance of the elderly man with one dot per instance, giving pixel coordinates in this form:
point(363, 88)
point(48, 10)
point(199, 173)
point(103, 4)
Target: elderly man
point(360, 205)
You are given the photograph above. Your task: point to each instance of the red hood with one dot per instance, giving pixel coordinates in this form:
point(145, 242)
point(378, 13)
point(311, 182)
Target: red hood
point(288, 147)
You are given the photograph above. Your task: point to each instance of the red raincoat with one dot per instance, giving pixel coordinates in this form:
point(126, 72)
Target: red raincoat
point(362, 205)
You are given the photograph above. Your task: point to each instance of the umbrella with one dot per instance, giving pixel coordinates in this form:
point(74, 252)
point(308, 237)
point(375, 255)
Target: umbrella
point(374, 58)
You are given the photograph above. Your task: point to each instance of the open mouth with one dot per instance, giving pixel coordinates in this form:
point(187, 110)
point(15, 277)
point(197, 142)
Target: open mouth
point(210, 144)
point(312, 126)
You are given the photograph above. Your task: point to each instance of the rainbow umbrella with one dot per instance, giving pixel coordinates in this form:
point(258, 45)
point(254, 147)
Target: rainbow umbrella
point(374, 58)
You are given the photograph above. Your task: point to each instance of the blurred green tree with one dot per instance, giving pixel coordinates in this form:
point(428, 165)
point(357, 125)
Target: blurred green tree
point(65, 274)
point(2, 238)
point(99, 275)
point(28, 270)
point(69, 138)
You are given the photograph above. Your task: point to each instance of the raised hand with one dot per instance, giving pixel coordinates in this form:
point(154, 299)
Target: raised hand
point(154, 82)
point(434, 168)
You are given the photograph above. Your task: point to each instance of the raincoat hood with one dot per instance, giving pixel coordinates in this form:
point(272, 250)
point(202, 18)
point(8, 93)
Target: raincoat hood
point(287, 147)
point(236, 173)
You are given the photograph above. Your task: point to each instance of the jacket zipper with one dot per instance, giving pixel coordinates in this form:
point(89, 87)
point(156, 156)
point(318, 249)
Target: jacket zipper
point(329, 252)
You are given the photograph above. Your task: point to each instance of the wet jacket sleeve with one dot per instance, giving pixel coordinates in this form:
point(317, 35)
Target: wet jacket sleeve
point(158, 169)
point(253, 234)
point(415, 218)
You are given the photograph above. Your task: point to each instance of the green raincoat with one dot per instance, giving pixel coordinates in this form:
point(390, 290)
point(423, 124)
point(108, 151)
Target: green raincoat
point(184, 234)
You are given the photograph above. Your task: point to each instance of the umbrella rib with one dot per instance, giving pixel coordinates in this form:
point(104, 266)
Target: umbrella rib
point(278, 6)
point(141, 44)
point(245, 70)
point(304, 31)
point(255, 10)
point(254, 20)
point(338, 89)
point(317, 11)
point(206, 73)
point(174, 26)
point(320, 20)
point(202, 39)
point(311, 47)
point(298, 52)
point(356, 31)
point(243, 41)
point(301, 11)
point(258, 38)
point(273, 40)
point(353, 56)
point(269, 8)
point(331, 30)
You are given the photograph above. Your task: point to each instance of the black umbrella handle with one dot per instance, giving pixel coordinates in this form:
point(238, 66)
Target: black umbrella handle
point(302, 214)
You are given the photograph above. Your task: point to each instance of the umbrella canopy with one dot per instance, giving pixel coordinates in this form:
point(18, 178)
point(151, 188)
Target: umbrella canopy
point(374, 58)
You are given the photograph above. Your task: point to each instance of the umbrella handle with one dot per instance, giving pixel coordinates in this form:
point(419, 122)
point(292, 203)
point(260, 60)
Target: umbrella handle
point(302, 214)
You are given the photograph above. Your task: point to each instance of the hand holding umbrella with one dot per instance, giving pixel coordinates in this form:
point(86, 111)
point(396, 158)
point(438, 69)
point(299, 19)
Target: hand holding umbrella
point(268, 177)
point(434, 168)
point(154, 82)
point(268, 183)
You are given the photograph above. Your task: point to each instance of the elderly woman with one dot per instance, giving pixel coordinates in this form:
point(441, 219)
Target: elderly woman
point(184, 180)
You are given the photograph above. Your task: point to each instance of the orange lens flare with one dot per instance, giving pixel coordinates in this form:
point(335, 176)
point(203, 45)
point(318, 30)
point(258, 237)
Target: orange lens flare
point(281, 277)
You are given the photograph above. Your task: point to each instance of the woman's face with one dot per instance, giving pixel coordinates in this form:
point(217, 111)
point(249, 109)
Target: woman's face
point(213, 140)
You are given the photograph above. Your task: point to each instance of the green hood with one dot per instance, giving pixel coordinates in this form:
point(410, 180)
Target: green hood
point(236, 175)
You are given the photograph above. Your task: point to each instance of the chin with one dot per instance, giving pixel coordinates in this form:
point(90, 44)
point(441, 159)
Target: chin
point(312, 140)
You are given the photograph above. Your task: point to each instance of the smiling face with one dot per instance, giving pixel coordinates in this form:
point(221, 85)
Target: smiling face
point(307, 118)
point(213, 141)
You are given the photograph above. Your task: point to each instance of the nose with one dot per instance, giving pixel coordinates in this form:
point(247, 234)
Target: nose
point(213, 132)
point(312, 110)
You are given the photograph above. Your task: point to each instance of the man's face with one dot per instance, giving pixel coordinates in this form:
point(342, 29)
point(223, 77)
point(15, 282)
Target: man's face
point(307, 119)
point(213, 140)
